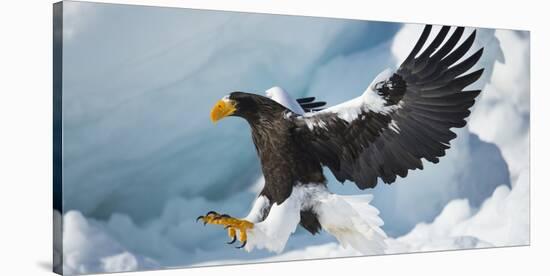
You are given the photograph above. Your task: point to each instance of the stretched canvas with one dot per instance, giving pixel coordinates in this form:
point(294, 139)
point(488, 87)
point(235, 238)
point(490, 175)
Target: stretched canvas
point(187, 138)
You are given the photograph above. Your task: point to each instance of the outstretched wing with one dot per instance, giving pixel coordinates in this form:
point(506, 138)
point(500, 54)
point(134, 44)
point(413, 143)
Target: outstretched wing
point(403, 116)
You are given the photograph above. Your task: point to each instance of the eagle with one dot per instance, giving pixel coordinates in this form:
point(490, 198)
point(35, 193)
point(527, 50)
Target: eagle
point(403, 117)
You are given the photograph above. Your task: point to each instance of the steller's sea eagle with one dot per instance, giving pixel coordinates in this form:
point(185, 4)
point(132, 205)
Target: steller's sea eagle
point(402, 117)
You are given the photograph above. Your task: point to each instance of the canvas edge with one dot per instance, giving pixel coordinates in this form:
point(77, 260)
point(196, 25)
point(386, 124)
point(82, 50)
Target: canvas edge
point(57, 130)
point(264, 11)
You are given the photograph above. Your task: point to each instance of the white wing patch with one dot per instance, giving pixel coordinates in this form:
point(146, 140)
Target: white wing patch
point(369, 100)
point(282, 97)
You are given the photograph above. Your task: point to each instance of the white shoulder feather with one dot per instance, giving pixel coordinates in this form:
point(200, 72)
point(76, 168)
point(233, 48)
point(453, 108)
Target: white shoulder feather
point(282, 97)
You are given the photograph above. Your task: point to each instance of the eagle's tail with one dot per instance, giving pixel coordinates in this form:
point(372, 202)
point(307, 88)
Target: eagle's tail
point(353, 221)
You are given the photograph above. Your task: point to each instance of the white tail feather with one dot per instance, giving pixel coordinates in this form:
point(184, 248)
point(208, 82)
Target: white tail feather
point(353, 221)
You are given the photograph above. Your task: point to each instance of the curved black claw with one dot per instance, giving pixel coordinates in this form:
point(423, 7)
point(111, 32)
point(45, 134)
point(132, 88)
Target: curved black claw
point(199, 218)
point(233, 240)
point(211, 213)
point(242, 245)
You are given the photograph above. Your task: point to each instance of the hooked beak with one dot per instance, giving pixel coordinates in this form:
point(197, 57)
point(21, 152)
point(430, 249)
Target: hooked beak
point(222, 109)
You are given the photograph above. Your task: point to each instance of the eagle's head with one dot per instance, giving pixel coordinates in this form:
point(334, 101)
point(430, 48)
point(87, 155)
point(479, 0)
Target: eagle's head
point(246, 105)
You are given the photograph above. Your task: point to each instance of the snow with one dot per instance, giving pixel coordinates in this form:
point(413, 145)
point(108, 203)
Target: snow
point(502, 221)
point(502, 115)
point(88, 248)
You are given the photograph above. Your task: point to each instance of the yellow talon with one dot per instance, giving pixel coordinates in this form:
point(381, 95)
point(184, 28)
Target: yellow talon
point(231, 224)
point(242, 235)
point(232, 233)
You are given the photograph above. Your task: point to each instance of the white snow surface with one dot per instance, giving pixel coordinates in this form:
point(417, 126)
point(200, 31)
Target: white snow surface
point(88, 248)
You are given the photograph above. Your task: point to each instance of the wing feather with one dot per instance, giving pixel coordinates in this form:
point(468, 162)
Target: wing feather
point(401, 119)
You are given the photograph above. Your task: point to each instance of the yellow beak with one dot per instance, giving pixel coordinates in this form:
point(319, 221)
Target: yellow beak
point(222, 109)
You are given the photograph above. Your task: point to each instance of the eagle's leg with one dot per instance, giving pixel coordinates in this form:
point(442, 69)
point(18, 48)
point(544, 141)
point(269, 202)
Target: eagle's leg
point(231, 224)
